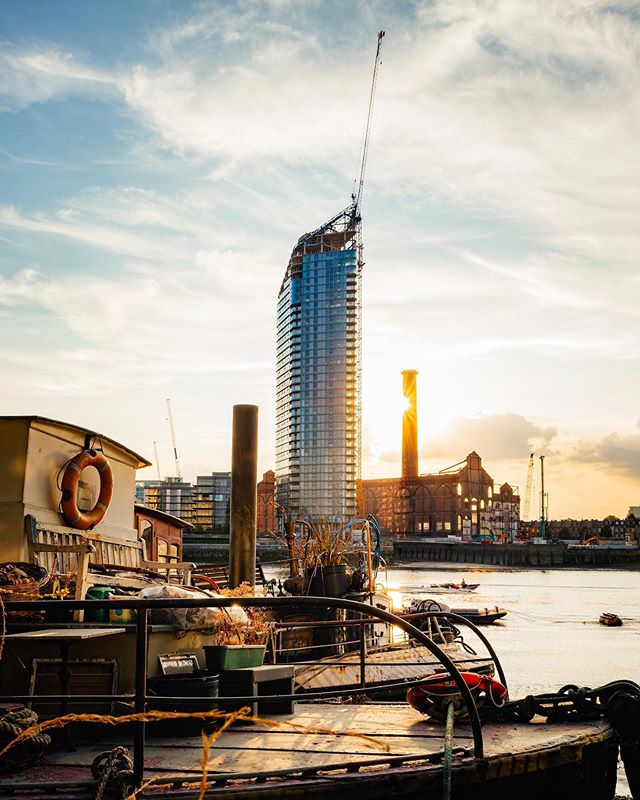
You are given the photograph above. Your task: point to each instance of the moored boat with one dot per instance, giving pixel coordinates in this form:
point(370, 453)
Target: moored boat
point(610, 620)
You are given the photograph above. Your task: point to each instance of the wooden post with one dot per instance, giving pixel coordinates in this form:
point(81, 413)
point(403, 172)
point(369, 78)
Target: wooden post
point(244, 476)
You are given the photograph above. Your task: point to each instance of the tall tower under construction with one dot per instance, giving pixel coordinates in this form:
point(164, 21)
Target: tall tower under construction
point(318, 383)
point(319, 354)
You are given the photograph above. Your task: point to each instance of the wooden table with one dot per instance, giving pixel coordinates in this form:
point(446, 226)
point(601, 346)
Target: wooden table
point(64, 638)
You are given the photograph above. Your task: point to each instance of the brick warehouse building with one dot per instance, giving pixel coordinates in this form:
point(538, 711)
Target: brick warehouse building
point(460, 500)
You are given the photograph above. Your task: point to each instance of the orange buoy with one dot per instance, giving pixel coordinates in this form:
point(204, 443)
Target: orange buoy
point(85, 520)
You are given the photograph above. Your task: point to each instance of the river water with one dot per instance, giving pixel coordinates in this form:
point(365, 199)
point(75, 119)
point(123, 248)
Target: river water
point(551, 634)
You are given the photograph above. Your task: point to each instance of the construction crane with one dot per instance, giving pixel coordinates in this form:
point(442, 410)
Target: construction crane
point(173, 440)
point(359, 180)
point(527, 492)
point(155, 450)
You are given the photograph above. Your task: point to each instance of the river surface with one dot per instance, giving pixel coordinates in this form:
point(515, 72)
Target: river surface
point(551, 634)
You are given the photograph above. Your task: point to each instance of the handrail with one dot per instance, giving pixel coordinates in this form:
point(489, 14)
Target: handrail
point(143, 605)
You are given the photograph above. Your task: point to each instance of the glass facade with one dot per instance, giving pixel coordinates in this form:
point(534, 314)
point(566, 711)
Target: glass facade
point(318, 385)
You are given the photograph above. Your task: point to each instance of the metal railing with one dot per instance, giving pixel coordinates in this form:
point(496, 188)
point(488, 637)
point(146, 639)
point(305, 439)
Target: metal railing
point(368, 615)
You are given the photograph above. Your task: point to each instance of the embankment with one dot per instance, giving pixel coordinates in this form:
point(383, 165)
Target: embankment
point(514, 555)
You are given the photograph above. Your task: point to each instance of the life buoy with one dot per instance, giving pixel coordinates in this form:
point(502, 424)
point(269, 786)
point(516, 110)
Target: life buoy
point(426, 697)
point(84, 520)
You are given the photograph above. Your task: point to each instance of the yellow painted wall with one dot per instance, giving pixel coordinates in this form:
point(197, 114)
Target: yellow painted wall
point(32, 453)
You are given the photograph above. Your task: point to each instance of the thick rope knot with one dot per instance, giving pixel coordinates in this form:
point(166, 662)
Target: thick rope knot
point(13, 724)
point(113, 770)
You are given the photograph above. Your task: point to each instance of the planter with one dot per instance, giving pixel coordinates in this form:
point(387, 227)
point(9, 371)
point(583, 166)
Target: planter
point(234, 656)
point(331, 581)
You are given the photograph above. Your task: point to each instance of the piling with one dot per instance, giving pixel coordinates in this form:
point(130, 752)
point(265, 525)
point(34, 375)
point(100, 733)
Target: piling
point(244, 478)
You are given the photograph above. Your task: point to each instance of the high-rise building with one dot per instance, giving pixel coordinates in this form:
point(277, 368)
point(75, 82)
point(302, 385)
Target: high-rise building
point(318, 383)
point(212, 497)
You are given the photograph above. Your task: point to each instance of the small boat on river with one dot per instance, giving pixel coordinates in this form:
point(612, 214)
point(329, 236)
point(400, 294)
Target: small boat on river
point(481, 616)
point(610, 620)
point(452, 588)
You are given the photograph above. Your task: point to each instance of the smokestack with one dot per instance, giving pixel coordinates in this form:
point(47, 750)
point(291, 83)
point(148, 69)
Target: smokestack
point(410, 425)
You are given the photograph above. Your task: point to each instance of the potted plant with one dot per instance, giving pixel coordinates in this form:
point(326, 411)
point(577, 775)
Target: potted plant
point(239, 646)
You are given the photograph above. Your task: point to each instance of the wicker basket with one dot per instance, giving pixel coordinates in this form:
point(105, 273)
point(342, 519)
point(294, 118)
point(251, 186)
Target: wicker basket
point(27, 589)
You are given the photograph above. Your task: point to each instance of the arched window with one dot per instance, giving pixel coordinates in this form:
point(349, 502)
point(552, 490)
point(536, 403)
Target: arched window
point(163, 550)
point(459, 489)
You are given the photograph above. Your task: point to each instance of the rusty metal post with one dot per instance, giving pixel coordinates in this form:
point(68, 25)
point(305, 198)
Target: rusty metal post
point(244, 477)
point(290, 528)
point(142, 648)
point(410, 425)
point(363, 655)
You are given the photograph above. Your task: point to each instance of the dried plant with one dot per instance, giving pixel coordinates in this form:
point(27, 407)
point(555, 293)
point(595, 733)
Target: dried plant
point(257, 631)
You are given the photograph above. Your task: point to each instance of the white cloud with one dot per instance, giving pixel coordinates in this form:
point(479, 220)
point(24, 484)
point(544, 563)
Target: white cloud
point(34, 75)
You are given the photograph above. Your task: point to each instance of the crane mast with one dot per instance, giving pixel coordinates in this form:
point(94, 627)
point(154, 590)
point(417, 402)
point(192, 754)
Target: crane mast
point(173, 440)
point(527, 493)
point(155, 450)
point(357, 198)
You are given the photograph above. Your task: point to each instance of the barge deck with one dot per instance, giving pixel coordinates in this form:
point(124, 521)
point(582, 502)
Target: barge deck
point(252, 761)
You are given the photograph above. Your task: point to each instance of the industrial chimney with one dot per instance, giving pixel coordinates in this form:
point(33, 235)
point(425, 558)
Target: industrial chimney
point(410, 425)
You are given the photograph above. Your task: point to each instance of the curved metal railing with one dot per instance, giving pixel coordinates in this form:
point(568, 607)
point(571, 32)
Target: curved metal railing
point(368, 613)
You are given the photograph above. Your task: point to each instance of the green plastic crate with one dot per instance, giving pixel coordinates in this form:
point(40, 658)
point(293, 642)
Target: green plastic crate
point(234, 656)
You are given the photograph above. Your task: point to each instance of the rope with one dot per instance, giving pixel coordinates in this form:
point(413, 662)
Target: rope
point(113, 770)
point(448, 754)
point(20, 727)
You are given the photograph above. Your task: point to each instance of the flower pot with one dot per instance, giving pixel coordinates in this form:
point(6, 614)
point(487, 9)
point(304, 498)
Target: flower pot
point(331, 581)
point(234, 656)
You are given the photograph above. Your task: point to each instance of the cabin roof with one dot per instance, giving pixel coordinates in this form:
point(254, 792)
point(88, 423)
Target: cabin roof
point(142, 462)
point(163, 515)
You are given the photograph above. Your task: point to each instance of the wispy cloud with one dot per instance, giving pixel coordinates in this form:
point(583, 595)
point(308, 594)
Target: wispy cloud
point(37, 74)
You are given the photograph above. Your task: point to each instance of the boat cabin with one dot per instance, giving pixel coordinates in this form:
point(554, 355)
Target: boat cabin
point(161, 532)
point(35, 452)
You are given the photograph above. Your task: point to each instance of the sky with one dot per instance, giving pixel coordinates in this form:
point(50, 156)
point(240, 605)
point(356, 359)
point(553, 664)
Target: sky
point(159, 159)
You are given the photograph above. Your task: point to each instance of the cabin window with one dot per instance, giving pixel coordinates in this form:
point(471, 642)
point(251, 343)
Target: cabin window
point(173, 552)
point(163, 549)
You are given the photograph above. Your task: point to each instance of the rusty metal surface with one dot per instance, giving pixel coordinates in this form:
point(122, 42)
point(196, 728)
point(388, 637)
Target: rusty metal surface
point(341, 671)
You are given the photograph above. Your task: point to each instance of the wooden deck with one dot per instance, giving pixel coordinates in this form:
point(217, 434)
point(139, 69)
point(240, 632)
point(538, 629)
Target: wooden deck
point(252, 761)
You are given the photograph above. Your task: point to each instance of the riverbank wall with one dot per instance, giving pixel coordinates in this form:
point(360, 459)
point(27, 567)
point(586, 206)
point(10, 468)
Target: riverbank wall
point(218, 553)
point(515, 555)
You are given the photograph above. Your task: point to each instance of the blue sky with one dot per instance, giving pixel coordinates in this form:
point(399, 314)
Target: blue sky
point(158, 160)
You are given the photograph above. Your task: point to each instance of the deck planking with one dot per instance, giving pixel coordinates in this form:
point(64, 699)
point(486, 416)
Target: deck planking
point(254, 748)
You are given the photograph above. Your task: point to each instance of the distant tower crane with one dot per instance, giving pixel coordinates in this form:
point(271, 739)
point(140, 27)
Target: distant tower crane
point(173, 440)
point(527, 493)
point(359, 180)
point(155, 450)
point(544, 502)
